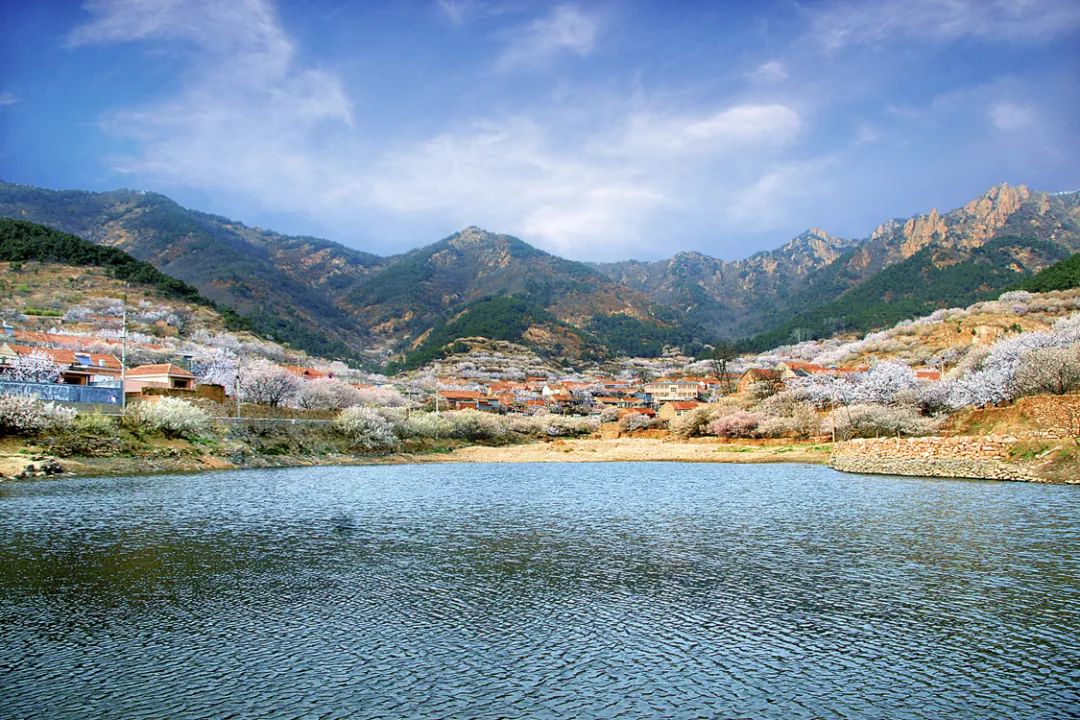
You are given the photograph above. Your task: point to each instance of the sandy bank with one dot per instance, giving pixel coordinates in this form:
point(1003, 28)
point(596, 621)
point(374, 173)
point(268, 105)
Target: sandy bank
point(635, 450)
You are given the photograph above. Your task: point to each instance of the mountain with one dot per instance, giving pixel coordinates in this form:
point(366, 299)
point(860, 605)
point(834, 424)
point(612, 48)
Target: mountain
point(50, 274)
point(737, 298)
point(337, 302)
point(809, 286)
point(479, 283)
point(1063, 275)
point(282, 285)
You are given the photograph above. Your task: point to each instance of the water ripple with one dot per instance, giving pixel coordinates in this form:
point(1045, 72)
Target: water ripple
point(539, 591)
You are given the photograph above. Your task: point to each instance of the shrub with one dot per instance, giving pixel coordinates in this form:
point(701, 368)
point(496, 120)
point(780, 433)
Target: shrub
point(94, 423)
point(878, 420)
point(638, 421)
point(365, 428)
point(739, 424)
point(171, 417)
point(553, 425)
point(475, 425)
point(798, 420)
point(693, 423)
point(422, 425)
point(27, 415)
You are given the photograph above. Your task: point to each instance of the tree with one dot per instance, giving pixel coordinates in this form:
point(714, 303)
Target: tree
point(722, 354)
point(36, 367)
point(180, 319)
point(1053, 371)
point(264, 383)
point(327, 394)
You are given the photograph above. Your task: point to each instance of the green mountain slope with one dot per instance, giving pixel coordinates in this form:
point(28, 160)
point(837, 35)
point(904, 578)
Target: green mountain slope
point(934, 277)
point(22, 241)
point(1062, 275)
point(276, 282)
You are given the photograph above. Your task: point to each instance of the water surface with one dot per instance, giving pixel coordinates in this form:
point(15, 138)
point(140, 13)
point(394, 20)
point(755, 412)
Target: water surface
point(540, 591)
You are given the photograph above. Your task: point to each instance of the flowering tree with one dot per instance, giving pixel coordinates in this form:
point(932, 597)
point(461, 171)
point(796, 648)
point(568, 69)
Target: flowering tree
point(1054, 371)
point(380, 397)
point(216, 366)
point(265, 383)
point(36, 367)
point(326, 394)
point(883, 382)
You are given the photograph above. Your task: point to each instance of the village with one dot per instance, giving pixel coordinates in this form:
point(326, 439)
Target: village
point(63, 368)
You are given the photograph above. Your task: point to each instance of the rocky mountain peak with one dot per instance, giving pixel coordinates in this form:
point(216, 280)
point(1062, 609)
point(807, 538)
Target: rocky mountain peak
point(471, 235)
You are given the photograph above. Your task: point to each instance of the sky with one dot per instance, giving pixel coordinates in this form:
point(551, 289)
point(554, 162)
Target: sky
point(595, 130)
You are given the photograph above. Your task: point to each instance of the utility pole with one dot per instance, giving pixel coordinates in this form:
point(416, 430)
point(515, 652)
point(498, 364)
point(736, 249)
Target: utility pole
point(236, 386)
point(123, 355)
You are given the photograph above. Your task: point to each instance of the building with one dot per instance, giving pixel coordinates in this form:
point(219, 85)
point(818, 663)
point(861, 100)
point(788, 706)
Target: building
point(674, 390)
point(670, 410)
point(308, 373)
point(165, 375)
point(755, 375)
point(460, 399)
point(76, 368)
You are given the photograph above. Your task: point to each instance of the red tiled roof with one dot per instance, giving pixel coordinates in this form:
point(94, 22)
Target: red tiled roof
point(685, 405)
point(161, 369)
point(67, 357)
point(308, 372)
point(460, 394)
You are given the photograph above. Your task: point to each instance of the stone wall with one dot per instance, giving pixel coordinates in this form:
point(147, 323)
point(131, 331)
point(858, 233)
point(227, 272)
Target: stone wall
point(1038, 416)
point(955, 457)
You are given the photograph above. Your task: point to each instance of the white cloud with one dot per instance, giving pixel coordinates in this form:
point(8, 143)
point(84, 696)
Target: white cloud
point(780, 193)
point(847, 23)
point(507, 175)
point(251, 122)
point(1011, 116)
point(567, 29)
point(7, 98)
point(248, 119)
point(739, 126)
point(594, 197)
point(769, 72)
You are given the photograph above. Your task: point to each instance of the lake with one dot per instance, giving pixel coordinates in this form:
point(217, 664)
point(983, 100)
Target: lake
point(540, 591)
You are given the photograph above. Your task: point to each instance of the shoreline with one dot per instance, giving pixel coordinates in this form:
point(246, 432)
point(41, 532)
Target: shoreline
point(42, 465)
point(886, 457)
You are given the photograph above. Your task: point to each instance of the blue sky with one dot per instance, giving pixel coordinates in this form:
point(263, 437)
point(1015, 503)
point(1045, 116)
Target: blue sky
point(598, 131)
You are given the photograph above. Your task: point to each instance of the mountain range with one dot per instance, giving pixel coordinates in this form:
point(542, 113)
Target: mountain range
point(409, 308)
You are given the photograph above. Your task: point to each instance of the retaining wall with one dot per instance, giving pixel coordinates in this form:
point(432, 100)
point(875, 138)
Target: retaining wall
point(986, 458)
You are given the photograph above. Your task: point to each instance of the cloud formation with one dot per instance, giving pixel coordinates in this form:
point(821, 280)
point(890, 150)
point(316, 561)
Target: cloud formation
point(248, 118)
point(584, 163)
point(566, 29)
point(867, 23)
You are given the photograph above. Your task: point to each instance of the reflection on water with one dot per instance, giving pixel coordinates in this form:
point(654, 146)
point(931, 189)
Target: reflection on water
point(485, 591)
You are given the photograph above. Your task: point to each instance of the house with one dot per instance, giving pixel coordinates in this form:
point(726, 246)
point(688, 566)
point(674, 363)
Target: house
point(755, 375)
point(460, 399)
point(927, 374)
point(674, 390)
point(76, 368)
point(647, 412)
point(793, 369)
point(165, 375)
point(308, 373)
point(674, 409)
